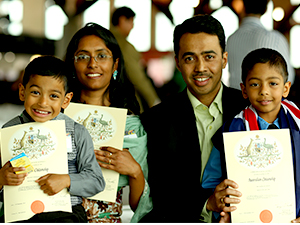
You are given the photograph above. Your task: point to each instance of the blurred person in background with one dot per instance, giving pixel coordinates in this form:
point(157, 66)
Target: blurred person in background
point(122, 21)
point(252, 35)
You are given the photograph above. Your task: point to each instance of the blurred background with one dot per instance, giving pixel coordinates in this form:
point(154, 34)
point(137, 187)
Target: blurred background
point(45, 27)
point(29, 27)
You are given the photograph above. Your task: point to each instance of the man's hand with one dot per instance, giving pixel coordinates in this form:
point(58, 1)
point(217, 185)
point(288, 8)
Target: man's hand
point(225, 217)
point(296, 220)
point(219, 199)
point(51, 184)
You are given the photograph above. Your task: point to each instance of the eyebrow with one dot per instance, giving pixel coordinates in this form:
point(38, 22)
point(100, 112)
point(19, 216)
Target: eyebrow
point(34, 85)
point(98, 50)
point(269, 78)
point(202, 53)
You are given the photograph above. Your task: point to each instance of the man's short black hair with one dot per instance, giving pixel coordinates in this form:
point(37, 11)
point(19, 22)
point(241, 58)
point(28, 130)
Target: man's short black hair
point(123, 11)
point(199, 24)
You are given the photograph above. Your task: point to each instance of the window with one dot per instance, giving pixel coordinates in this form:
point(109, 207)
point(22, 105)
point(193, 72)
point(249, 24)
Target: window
point(163, 33)
point(98, 13)
point(55, 20)
point(140, 35)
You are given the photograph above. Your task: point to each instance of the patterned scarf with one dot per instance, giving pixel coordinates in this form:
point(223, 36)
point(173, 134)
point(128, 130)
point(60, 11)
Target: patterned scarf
point(249, 115)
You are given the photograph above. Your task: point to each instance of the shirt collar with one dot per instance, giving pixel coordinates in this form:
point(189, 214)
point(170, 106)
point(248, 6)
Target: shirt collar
point(264, 124)
point(217, 101)
point(251, 19)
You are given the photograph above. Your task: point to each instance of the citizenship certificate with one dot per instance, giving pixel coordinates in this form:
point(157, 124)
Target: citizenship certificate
point(45, 146)
point(106, 126)
point(261, 163)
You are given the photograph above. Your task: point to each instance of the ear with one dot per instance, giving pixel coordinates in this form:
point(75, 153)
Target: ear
point(122, 19)
point(116, 65)
point(244, 92)
point(287, 88)
point(67, 100)
point(224, 60)
point(21, 92)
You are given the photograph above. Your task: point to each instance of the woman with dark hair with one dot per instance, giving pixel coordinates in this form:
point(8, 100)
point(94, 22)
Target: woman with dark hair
point(95, 58)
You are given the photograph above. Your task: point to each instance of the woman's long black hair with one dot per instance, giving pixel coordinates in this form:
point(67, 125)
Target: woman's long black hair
point(121, 91)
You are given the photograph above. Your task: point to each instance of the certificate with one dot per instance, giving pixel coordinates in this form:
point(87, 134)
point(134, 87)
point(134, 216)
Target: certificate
point(261, 163)
point(106, 126)
point(45, 146)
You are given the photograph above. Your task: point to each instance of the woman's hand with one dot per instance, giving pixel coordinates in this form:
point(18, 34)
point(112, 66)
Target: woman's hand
point(119, 161)
point(123, 163)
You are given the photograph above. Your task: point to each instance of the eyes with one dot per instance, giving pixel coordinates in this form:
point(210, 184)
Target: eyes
point(193, 58)
point(37, 93)
point(258, 84)
point(84, 58)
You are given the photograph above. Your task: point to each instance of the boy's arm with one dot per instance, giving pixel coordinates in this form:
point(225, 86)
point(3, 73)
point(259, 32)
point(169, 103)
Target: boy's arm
point(89, 180)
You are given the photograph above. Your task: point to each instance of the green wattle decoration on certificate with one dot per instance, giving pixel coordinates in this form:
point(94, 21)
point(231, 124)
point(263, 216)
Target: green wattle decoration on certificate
point(106, 126)
point(261, 163)
point(46, 148)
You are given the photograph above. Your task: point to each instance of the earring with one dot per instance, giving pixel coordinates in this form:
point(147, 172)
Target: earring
point(115, 74)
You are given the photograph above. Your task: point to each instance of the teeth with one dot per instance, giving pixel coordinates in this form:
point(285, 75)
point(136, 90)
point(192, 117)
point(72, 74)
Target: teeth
point(94, 75)
point(42, 112)
point(202, 79)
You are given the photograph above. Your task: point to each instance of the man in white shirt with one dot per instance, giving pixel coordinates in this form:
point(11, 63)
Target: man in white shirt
point(253, 35)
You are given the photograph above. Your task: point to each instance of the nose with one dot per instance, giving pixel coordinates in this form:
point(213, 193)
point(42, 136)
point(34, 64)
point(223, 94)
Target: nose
point(200, 65)
point(93, 62)
point(264, 90)
point(43, 100)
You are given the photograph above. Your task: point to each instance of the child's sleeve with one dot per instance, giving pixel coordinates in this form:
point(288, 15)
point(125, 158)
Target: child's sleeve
point(89, 180)
point(212, 174)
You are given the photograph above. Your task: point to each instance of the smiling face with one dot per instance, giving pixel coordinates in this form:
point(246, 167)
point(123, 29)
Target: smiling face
point(200, 60)
point(265, 88)
point(43, 97)
point(94, 75)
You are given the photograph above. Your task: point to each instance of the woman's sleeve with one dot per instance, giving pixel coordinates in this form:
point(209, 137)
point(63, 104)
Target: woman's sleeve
point(136, 141)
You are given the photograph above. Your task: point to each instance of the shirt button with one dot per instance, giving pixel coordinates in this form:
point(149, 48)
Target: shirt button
point(210, 127)
point(204, 108)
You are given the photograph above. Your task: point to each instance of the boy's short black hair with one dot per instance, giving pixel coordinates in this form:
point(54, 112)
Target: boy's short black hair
point(123, 11)
point(264, 55)
point(47, 66)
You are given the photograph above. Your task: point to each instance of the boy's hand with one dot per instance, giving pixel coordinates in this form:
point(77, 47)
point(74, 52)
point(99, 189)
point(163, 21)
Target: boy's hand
point(8, 176)
point(51, 184)
point(218, 200)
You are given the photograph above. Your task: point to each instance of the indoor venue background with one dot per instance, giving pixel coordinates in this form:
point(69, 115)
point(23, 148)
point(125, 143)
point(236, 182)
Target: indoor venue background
point(45, 27)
